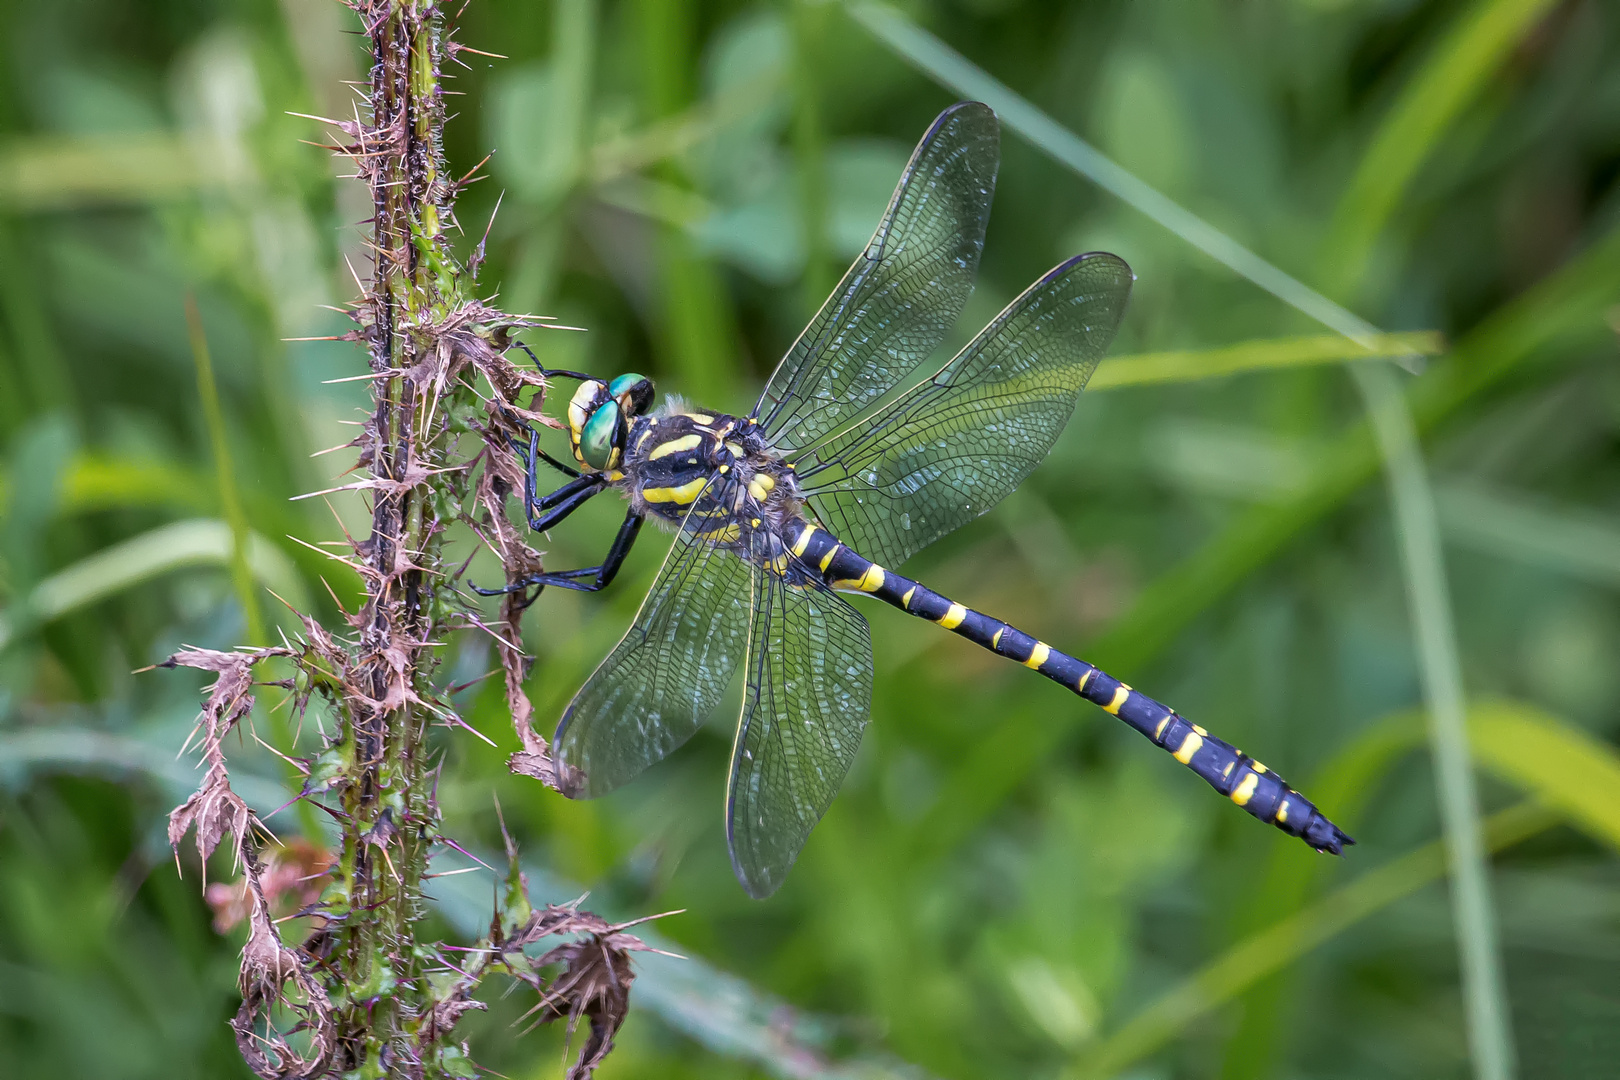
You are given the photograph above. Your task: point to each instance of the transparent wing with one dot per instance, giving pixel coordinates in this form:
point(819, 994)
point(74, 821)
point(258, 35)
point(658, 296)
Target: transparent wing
point(806, 704)
point(956, 445)
point(671, 667)
point(901, 295)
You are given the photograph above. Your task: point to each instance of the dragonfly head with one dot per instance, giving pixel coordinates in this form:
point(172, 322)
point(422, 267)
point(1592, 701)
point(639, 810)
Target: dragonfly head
point(599, 419)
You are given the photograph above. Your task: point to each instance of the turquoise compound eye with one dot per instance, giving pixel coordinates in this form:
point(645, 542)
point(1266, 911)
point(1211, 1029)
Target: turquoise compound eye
point(599, 438)
point(635, 391)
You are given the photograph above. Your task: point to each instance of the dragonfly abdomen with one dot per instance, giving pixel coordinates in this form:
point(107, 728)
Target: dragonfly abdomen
point(1245, 781)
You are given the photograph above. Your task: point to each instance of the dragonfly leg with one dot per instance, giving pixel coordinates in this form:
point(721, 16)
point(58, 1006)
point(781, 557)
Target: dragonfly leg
point(552, 509)
point(533, 454)
point(587, 578)
point(547, 511)
point(552, 372)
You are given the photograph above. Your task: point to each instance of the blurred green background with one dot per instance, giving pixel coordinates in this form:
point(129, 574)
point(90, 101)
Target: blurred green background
point(1010, 884)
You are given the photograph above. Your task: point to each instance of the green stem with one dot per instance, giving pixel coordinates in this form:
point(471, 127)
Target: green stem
point(1485, 993)
point(389, 816)
point(230, 503)
point(810, 149)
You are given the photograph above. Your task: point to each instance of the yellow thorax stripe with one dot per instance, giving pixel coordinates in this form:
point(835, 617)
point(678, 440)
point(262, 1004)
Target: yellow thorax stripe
point(674, 446)
point(683, 494)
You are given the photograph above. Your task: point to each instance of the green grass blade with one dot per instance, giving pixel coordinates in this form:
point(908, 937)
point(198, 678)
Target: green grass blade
point(1270, 354)
point(93, 482)
point(225, 476)
point(696, 323)
point(718, 1010)
point(1449, 78)
point(144, 557)
point(1285, 941)
point(1458, 69)
point(949, 68)
point(55, 172)
point(1581, 544)
point(1417, 529)
point(1559, 764)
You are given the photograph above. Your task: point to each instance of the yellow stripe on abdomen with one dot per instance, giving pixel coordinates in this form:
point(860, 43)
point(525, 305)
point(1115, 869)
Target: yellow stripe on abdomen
point(870, 581)
point(802, 544)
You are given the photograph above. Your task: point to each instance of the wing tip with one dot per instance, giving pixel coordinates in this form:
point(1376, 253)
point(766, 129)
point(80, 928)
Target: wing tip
point(963, 108)
point(1090, 258)
point(572, 782)
point(760, 883)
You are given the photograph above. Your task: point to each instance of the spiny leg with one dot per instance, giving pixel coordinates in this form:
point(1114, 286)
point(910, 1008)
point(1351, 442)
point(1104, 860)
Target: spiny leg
point(1227, 769)
point(585, 579)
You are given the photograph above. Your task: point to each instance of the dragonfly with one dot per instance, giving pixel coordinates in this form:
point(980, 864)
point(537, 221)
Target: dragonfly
point(856, 456)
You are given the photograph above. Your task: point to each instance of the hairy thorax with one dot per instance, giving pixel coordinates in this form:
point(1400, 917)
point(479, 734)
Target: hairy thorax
point(714, 472)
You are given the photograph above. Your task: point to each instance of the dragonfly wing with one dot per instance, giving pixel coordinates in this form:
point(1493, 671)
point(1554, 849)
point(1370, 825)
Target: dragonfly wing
point(671, 667)
point(901, 295)
point(954, 446)
point(806, 704)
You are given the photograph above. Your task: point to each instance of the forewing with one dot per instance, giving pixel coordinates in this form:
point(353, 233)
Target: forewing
point(805, 706)
point(669, 670)
point(901, 295)
point(956, 445)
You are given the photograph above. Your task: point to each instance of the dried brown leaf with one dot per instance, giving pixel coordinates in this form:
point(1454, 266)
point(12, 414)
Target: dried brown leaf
point(595, 981)
point(214, 810)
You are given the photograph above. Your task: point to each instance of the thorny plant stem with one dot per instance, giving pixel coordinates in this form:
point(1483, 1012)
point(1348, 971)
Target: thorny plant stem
point(363, 996)
point(389, 816)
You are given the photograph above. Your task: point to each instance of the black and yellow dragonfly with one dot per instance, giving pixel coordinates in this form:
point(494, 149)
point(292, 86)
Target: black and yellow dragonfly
point(853, 460)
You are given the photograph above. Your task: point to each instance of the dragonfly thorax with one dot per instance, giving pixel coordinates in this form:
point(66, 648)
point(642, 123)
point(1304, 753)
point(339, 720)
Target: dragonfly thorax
point(680, 461)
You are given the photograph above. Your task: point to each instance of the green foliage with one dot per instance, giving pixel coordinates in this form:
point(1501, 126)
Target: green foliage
point(1008, 885)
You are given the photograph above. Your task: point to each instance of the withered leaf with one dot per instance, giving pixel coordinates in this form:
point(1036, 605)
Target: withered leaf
point(595, 980)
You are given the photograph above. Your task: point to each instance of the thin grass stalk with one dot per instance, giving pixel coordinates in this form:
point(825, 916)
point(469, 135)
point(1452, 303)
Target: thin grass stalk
point(1490, 1036)
point(809, 23)
point(230, 503)
point(1470, 53)
point(1290, 938)
point(957, 73)
point(1490, 1031)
